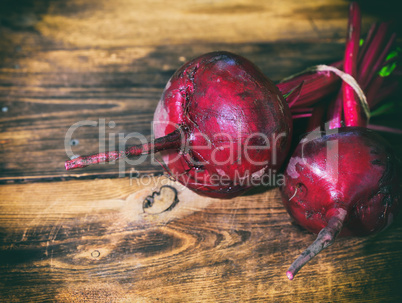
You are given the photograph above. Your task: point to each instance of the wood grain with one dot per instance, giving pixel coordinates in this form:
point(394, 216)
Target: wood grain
point(62, 62)
point(43, 106)
point(91, 240)
point(96, 61)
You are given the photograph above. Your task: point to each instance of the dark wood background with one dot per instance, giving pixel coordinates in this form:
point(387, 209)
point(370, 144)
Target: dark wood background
point(82, 236)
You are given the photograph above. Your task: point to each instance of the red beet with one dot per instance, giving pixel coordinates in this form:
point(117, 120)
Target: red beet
point(344, 181)
point(347, 179)
point(222, 125)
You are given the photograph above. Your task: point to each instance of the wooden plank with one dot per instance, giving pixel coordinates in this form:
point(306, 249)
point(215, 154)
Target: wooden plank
point(91, 240)
point(65, 63)
point(133, 22)
point(61, 64)
point(43, 104)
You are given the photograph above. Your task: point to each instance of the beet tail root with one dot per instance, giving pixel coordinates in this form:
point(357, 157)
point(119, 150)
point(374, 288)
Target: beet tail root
point(170, 141)
point(325, 238)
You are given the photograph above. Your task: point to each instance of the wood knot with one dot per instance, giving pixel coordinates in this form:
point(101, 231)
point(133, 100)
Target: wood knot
point(95, 254)
point(160, 201)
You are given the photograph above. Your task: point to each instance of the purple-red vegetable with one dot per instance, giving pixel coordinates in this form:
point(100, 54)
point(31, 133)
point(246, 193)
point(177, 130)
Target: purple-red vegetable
point(346, 180)
point(221, 124)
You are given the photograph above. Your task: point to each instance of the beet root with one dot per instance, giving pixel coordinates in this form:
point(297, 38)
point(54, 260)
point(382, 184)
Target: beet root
point(235, 127)
point(343, 182)
point(237, 124)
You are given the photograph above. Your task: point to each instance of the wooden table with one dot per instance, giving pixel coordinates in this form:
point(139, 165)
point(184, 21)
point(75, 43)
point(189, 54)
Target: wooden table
point(84, 236)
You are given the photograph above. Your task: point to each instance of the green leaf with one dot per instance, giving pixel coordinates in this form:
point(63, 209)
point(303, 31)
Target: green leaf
point(388, 69)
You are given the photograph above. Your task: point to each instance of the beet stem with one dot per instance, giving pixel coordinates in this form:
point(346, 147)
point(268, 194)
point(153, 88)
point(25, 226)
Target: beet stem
point(298, 116)
point(294, 95)
point(373, 89)
point(385, 92)
point(325, 238)
point(317, 116)
point(335, 112)
point(351, 106)
point(380, 60)
point(316, 85)
point(170, 141)
point(386, 129)
point(367, 41)
point(371, 55)
point(350, 81)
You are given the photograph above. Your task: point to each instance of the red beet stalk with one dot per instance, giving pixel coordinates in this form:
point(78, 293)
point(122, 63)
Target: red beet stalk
point(350, 103)
point(331, 178)
point(316, 85)
point(370, 58)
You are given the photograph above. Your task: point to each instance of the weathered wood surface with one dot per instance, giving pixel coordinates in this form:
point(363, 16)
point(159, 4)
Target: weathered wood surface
point(40, 115)
point(62, 62)
point(75, 240)
point(90, 60)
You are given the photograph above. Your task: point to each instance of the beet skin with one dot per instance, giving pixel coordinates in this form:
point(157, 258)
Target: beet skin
point(236, 122)
point(345, 181)
point(350, 168)
point(221, 125)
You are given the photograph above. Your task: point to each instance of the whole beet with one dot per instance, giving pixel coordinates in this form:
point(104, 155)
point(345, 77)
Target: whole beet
point(221, 124)
point(237, 124)
point(344, 181)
